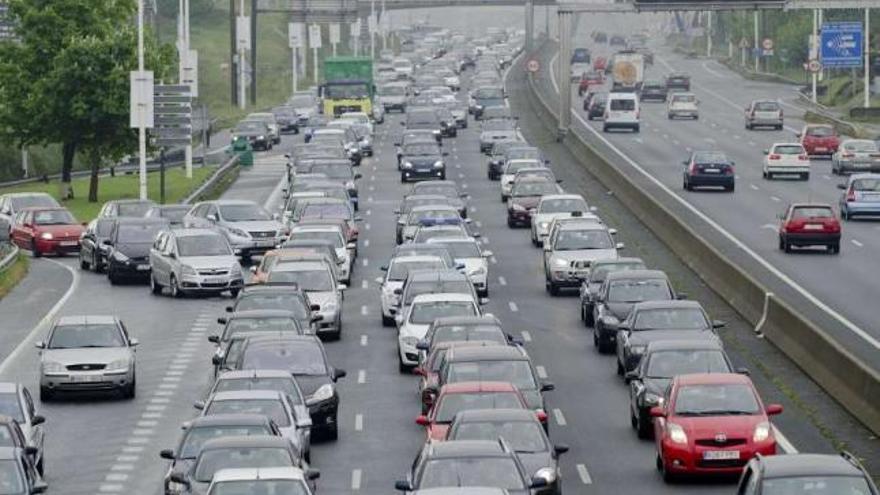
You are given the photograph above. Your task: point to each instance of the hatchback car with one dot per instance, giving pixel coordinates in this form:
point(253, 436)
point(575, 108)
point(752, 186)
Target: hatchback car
point(16, 403)
point(129, 243)
point(248, 227)
point(806, 473)
point(318, 280)
point(819, 139)
point(598, 273)
point(708, 169)
point(391, 285)
point(496, 130)
point(275, 480)
point(682, 105)
point(87, 354)
point(856, 155)
point(786, 159)
point(194, 261)
point(454, 398)
point(470, 253)
point(425, 308)
point(554, 206)
point(860, 196)
point(525, 194)
point(46, 231)
point(809, 225)
point(12, 203)
point(764, 113)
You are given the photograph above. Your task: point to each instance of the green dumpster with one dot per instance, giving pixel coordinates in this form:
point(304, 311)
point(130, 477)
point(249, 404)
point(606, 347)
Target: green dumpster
point(242, 147)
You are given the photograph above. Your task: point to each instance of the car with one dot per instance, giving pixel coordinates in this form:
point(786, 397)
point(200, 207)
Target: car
point(250, 229)
point(422, 161)
point(263, 451)
point(327, 211)
point(257, 321)
point(199, 430)
point(191, 261)
point(662, 361)
point(429, 366)
point(126, 208)
point(764, 113)
point(411, 136)
point(448, 122)
point(708, 169)
point(595, 108)
point(337, 171)
point(449, 281)
point(496, 130)
point(260, 379)
point(255, 132)
point(413, 249)
point(514, 165)
point(591, 285)
point(433, 214)
point(819, 139)
point(525, 193)
point(806, 473)
point(393, 95)
point(17, 473)
point(305, 106)
point(856, 155)
point(617, 40)
point(288, 121)
point(680, 105)
point(318, 280)
point(570, 250)
point(786, 159)
point(447, 228)
point(454, 398)
point(271, 123)
point(497, 112)
point(413, 323)
point(42, 230)
point(621, 111)
point(600, 63)
point(554, 206)
point(87, 353)
point(423, 118)
point(172, 213)
point(470, 463)
point(470, 253)
point(411, 201)
point(391, 285)
point(11, 435)
point(325, 240)
point(486, 329)
point(446, 188)
point(678, 82)
point(509, 149)
point(621, 291)
point(654, 90)
point(129, 244)
point(651, 321)
point(485, 96)
point(523, 433)
point(809, 224)
point(339, 135)
point(274, 297)
point(12, 203)
point(17, 403)
point(588, 79)
point(289, 254)
point(711, 424)
point(860, 196)
point(289, 480)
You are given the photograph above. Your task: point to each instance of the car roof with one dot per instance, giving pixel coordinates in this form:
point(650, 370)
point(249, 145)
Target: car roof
point(191, 232)
point(8, 453)
point(228, 420)
point(260, 313)
point(24, 194)
point(253, 373)
point(245, 441)
point(637, 274)
point(683, 344)
point(442, 296)
point(488, 353)
point(618, 261)
point(469, 490)
point(299, 266)
point(674, 304)
point(810, 205)
point(263, 473)
point(451, 240)
point(466, 448)
point(496, 415)
point(713, 379)
point(588, 225)
point(808, 465)
point(8, 387)
point(419, 208)
point(448, 275)
point(141, 221)
point(86, 320)
point(467, 320)
point(269, 288)
point(415, 259)
point(548, 197)
point(245, 395)
point(473, 387)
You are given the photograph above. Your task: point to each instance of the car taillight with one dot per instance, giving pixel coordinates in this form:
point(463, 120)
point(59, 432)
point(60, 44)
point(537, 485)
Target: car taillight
point(848, 155)
point(832, 225)
point(728, 171)
point(803, 157)
point(692, 168)
point(850, 195)
point(775, 157)
point(780, 113)
point(542, 416)
point(638, 112)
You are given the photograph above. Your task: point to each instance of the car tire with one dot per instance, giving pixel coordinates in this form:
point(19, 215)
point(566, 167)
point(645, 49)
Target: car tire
point(34, 251)
point(402, 178)
point(175, 289)
point(40, 466)
point(401, 367)
point(234, 292)
point(503, 198)
point(387, 321)
point(834, 248)
point(730, 188)
point(83, 264)
point(636, 129)
point(553, 289)
point(685, 185)
point(620, 369)
point(130, 390)
point(112, 277)
point(603, 345)
point(844, 214)
point(46, 394)
point(786, 246)
point(510, 223)
point(643, 428)
point(588, 318)
point(155, 287)
point(604, 128)
point(333, 431)
point(805, 176)
point(669, 116)
point(748, 126)
point(661, 466)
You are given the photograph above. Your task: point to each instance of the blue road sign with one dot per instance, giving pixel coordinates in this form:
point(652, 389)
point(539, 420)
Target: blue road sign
point(842, 44)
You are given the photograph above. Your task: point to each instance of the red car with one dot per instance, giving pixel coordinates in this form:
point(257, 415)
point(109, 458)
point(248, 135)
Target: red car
point(711, 424)
point(819, 139)
point(461, 396)
point(590, 79)
point(46, 231)
point(600, 63)
point(429, 369)
point(809, 225)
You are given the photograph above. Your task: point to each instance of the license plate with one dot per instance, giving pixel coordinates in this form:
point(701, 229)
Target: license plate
point(821, 148)
point(720, 455)
point(143, 268)
point(266, 243)
point(68, 243)
point(813, 226)
point(214, 280)
point(711, 170)
point(86, 378)
point(870, 197)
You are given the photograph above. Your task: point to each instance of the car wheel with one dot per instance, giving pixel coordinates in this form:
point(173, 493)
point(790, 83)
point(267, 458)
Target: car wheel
point(786, 246)
point(510, 223)
point(46, 394)
point(333, 431)
point(834, 248)
point(669, 116)
point(130, 390)
point(730, 188)
point(401, 366)
point(94, 263)
point(685, 185)
point(781, 244)
point(175, 289)
point(748, 126)
point(554, 289)
point(83, 264)
point(112, 277)
point(844, 214)
point(234, 292)
point(588, 318)
point(155, 287)
point(619, 368)
point(34, 251)
point(503, 198)
point(805, 176)
point(643, 428)
point(402, 178)
point(387, 321)
point(39, 466)
point(604, 128)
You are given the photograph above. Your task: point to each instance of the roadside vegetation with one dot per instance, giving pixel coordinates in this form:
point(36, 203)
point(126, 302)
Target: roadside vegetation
point(12, 275)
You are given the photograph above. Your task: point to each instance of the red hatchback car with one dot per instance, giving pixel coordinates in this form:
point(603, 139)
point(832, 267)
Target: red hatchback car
point(819, 139)
point(457, 397)
point(711, 424)
point(809, 225)
point(46, 231)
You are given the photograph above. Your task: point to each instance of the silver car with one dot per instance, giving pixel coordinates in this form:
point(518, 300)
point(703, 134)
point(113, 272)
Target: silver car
point(475, 259)
point(16, 402)
point(194, 261)
point(264, 480)
point(318, 280)
point(248, 227)
point(86, 354)
point(570, 251)
point(271, 123)
point(856, 155)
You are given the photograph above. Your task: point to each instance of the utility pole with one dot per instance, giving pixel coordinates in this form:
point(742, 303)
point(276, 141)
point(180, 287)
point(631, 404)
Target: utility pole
point(142, 129)
point(530, 26)
point(821, 15)
point(709, 35)
point(814, 52)
point(242, 87)
point(184, 63)
point(253, 37)
point(373, 29)
point(564, 74)
point(233, 58)
point(867, 57)
point(757, 45)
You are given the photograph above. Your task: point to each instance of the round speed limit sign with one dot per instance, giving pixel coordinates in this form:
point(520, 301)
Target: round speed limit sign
point(814, 66)
point(533, 66)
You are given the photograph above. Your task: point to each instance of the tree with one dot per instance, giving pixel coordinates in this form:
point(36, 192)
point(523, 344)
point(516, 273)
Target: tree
point(66, 81)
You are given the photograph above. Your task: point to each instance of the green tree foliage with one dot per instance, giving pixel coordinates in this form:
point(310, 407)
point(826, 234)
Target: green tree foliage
point(67, 79)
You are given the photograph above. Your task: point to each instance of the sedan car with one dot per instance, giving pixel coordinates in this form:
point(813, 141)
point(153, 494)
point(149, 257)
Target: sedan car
point(678, 82)
point(46, 231)
point(860, 196)
point(682, 105)
point(16, 403)
point(276, 480)
point(708, 169)
point(445, 188)
point(255, 132)
point(12, 203)
point(317, 279)
point(257, 321)
point(470, 253)
point(248, 227)
point(806, 473)
point(819, 139)
point(654, 90)
point(422, 161)
point(86, 354)
point(595, 109)
point(856, 155)
point(711, 424)
point(194, 261)
point(554, 206)
point(598, 273)
point(786, 159)
point(129, 243)
point(425, 308)
point(496, 130)
point(805, 224)
point(525, 194)
point(391, 285)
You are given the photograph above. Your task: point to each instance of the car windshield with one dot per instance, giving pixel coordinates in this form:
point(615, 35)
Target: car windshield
point(137, 233)
point(239, 326)
point(517, 372)
point(446, 287)
point(421, 117)
point(563, 205)
point(316, 235)
point(203, 245)
point(10, 406)
point(426, 312)
point(426, 234)
point(283, 357)
point(32, 201)
point(416, 217)
point(326, 210)
point(285, 384)
point(243, 213)
point(523, 154)
point(709, 157)
point(211, 461)
point(671, 319)
point(816, 485)
point(410, 203)
point(400, 269)
point(194, 438)
point(272, 408)
point(623, 104)
point(538, 188)
point(421, 149)
point(304, 359)
point(498, 125)
point(77, 336)
point(861, 146)
point(866, 185)
point(174, 215)
point(53, 217)
point(308, 280)
point(766, 106)
point(392, 91)
point(684, 99)
point(11, 482)
point(463, 249)
point(599, 273)
point(716, 400)
point(267, 487)
point(820, 131)
point(522, 436)
point(342, 91)
point(812, 212)
point(667, 364)
point(574, 240)
point(499, 472)
point(452, 404)
point(250, 127)
point(334, 171)
point(103, 228)
point(447, 190)
point(489, 93)
point(788, 149)
point(638, 290)
point(514, 166)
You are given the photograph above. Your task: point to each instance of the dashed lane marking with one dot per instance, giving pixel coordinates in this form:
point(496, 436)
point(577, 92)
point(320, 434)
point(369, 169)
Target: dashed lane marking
point(359, 422)
point(364, 340)
point(362, 376)
point(584, 474)
point(559, 417)
point(513, 307)
point(502, 281)
point(856, 243)
point(527, 337)
point(356, 479)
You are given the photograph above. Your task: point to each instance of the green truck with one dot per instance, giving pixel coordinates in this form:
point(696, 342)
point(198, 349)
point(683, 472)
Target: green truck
point(348, 85)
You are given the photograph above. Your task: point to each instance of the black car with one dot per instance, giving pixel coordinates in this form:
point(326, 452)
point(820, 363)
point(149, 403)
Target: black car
point(305, 358)
point(661, 361)
point(660, 320)
point(423, 118)
point(708, 169)
point(496, 156)
point(422, 161)
point(806, 473)
point(523, 433)
point(128, 257)
point(93, 251)
point(19, 474)
point(653, 91)
point(617, 296)
point(596, 108)
point(470, 463)
point(483, 97)
point(598, 273)
point(255, 132)
point(617, 40)
point(486, 328)
point(261, 321)
point(446, 188)
point(448, 124)
point(173, 213)
point(600, 37)
point(678, 82)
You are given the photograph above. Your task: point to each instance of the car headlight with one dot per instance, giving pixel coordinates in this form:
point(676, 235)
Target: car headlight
point(560, 263)
point(676, 433)
point(407, 164)
point(637, 349)
point(175, 487)
point(188, 270)
point(261, 137)
point(324, 392)
point(436, 131)
point(478, 107)
point(517, 207)
point(53, 367)
point(762, 432)
point(120, 256)
point(237, 232)
point(652, 399)
point(235, 269)
point(547, 474)
point(543, 225)
point(46, 235)
point(438, 164)
point(118, 366)
point(329, 306)
point(409, 341)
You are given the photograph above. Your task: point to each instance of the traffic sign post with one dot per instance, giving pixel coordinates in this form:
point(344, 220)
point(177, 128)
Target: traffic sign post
point(295, 40)
point(841, 44)
point(173, 122)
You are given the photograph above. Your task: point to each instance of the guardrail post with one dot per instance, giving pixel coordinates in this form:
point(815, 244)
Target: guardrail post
point(530, 26)
point(759, 332)
point(564, 73)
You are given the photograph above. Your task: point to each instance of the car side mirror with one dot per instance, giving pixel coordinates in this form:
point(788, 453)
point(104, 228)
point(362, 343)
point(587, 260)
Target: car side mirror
point(107, 242)
point(287, 155)
point(681, 296)
point(630, 376)
point(538, 482)
point(488, 254)
point(214, 339)
point(40, 486)
point(483, 301)
point(766, 152)
point(797, 134)
point(619, 246)
point(216, 361)
point(402, 123)
point(38, 420)
point(774, 409)
point(166, 454)
point(199, 405)
point(685, 163)
point(315, 307)
point(312, 474)
point(31, 450)
point(743, 371)
point(560, 449)
point(719, 324)
point(133, 342)
point(547, 387)
point(180, 478)
point(423, 345)
point(403, 486)
point(338, 373)
point(211, 217)
point(253, 269)
point(222, 320)
point(40, 345)
point(842, 187)
point(316, 318)
point(423, 420)
point(657, 412)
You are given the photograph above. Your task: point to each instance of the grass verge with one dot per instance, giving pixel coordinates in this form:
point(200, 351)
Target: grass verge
point(12, 275)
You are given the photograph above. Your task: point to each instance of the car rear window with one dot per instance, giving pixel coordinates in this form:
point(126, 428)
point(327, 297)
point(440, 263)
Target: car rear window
point(812, 212)
point(866, 185)
point(789, 149)
point(861, 146)
point(766, 106)
point(820, 131)
point(623, 105)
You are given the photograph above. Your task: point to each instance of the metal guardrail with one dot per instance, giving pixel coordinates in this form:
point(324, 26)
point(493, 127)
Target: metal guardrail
point(212, 181)
point(9, 259)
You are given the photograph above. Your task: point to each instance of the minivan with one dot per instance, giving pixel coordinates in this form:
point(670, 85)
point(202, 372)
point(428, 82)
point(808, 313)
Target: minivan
point(622, 110)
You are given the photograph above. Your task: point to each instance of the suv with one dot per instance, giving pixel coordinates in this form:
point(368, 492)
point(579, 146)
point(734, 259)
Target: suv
point(570, 250)
point(767, 113)
point(247, 226)
point(194, 260)
point(801, 473)
point(424, 118)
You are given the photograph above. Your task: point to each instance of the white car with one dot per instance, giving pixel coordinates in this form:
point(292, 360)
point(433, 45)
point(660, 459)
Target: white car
point(468, 251)
point(510, 169)
point(333, 234)
point(263, 480)
point(413, 324)
point(427, 214)
point(682, 105)
point(391, 285)
point(358, 117)
point(554, 206)
point(786, 159)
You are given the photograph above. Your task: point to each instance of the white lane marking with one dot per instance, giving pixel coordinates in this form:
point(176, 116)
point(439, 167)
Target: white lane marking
point(774, 198)
point(639, 140)
point(47, 318)
point(492, 260)
point(133, 449)
point(369, 212)
point(752, 143)
point(502, 281)
point(542, 372)
point(364, 340)
point(367, 226)
point(826, 177)
point(740, 244)
point(366, 243)
point(710, 71)
point(784, 442)
point(709, 140)
point(527, 337)
point(356, 479)
point(584, 474)
point(364, 311)
point(479, 224)
point(366, 262)
point(362, 376)
point(513, 306)
point(754, 187)
point(857, 243)
point(559, 417)
point(359, 422)
point(737, 136)
point(364, 284)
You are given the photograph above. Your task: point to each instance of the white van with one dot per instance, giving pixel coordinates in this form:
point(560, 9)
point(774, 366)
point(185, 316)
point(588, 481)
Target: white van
point(621, 111)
